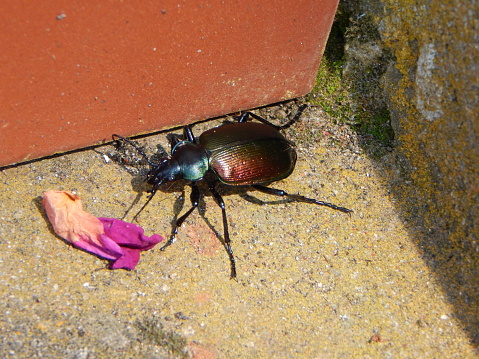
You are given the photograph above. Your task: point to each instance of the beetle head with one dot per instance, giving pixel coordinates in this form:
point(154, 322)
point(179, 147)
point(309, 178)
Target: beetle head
point(166, 171)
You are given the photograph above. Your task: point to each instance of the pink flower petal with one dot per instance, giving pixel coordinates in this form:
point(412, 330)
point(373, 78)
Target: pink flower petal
point(131, 239)
point(109, 238)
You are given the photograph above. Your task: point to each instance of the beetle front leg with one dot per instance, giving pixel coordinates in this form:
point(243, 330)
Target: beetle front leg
point(149, 197)
point(221, 204)
point(195, 198)
point(299, 198)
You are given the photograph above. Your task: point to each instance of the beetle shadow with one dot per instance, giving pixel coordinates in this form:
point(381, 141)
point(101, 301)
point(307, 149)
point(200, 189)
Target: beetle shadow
point(183, 204)
point(135, 162)
point(255, 200)
point(226, 191)
point(38, 202)
point(246, 193)
point(141, 188)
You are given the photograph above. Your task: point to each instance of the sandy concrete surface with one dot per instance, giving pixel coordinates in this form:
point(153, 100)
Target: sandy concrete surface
point(312, 282)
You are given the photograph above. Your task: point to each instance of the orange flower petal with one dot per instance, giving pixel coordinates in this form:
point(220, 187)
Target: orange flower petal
point(72, 223)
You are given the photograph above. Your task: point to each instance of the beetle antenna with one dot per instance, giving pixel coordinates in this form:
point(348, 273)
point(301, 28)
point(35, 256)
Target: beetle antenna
point(140, 151)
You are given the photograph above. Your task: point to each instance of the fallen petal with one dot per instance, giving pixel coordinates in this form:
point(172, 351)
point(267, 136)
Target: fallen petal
point(109, 238)
point(72, 223)
point(131, 239)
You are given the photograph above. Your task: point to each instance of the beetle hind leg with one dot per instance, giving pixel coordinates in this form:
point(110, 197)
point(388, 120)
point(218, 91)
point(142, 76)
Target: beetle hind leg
point(299, 198)
point(245, 116)
point(221, 204)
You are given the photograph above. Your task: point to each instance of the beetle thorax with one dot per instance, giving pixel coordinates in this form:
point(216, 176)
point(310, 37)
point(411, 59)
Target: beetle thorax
point(192, 160)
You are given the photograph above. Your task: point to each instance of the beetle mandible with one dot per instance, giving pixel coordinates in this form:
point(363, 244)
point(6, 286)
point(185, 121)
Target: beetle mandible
point(237, 154)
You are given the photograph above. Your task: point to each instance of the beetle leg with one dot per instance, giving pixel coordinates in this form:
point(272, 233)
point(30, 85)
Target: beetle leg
point(195, 198)
point(244, 118)
point(299, 198)
point(149, 197)
point(174, 139)
point(295, 118)
point(221, 204)
point(188, 134)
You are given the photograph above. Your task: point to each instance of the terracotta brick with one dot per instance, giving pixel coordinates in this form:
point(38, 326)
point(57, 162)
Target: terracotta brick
point(74, 73)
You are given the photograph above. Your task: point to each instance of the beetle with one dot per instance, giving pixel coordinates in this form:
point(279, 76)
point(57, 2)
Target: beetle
point(244, 153)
